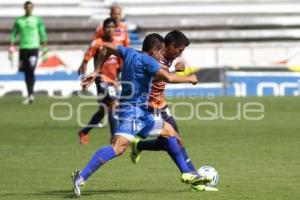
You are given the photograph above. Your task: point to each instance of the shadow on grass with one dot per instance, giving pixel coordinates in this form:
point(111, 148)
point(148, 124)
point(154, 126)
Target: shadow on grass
point(69, 194)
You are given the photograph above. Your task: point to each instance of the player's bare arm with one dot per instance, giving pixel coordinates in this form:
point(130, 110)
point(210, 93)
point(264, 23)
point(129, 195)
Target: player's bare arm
point(82, 68)
point(105, 52)
point(174, 78)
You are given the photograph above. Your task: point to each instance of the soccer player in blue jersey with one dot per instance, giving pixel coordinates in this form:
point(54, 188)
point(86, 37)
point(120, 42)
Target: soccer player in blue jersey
point(139, 69)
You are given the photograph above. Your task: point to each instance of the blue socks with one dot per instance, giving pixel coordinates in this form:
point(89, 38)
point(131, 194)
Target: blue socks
point(103, 155)
point(106, 153)
point(172, 147)
point(187, 159)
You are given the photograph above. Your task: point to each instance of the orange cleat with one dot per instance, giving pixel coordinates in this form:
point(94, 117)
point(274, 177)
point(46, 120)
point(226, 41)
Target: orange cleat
point(84, 137)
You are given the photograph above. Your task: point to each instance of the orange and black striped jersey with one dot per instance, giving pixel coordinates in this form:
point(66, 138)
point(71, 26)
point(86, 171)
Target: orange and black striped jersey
point(156, 97)
point(121, 35)
point(111, 67)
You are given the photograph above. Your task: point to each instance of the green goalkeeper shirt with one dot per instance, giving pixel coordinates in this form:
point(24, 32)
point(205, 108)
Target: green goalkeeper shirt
point(31, 32)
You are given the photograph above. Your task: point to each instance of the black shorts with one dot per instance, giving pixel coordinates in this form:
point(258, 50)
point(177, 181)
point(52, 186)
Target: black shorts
point(106, 91)
point(28, 59)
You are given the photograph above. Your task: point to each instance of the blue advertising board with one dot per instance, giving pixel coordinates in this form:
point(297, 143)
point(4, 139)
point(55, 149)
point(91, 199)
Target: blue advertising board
point(263, 83)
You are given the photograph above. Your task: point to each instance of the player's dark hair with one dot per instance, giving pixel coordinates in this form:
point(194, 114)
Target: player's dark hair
point(108, 21)
point(152, 40)
point(177, 37)
point(27, 3)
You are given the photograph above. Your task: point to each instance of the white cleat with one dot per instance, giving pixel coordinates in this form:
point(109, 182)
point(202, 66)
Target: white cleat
point(77, 182)
point(100, 125)
point(28, 100)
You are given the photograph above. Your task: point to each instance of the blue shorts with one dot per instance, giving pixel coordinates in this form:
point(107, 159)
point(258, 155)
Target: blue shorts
point(137, 121)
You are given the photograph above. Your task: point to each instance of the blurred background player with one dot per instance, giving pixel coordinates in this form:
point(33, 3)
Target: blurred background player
point(31, 31)
point(175, 43)
point(121, 34)
point(106, 83)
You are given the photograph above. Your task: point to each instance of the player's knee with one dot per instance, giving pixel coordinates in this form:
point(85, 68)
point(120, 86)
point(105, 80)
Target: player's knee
point(180, 141)
point(168, 130)
point(120, 149)
point(120, 145)
point(112, 106)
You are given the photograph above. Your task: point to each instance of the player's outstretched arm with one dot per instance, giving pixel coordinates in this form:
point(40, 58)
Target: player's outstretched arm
point(105, 52)
point(82, 68)
point(173, 78)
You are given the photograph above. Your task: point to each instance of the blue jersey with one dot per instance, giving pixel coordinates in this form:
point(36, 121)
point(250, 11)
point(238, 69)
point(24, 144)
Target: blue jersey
point(137, 74)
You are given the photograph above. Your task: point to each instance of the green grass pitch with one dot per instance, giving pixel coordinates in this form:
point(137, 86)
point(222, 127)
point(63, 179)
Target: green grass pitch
point(255, 159)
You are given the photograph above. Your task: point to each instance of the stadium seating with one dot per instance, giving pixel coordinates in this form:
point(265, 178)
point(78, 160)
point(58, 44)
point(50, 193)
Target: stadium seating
point(219, 21)
point(202, 21)
point(68, 22)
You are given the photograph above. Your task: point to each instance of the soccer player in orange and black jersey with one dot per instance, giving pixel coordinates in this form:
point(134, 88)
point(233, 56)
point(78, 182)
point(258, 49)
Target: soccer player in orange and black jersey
point(121, 34)
point(175, 43)
point(106, 83)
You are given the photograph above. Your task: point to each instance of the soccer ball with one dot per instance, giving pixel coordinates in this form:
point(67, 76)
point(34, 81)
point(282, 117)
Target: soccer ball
point(211, 173)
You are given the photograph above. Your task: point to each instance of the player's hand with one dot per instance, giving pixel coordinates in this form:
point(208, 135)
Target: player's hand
point(45, 51)
point(180, 66)
point(88, 80)
point(82, 69)
point(193, 79)
point(12, 49)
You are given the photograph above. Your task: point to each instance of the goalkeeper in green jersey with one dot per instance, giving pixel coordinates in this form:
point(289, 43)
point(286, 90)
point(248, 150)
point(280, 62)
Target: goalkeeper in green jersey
point(32, 33)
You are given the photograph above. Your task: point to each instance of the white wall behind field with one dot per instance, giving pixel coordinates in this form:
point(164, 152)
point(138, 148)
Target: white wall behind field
point(196, 55)
point(220, 55)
